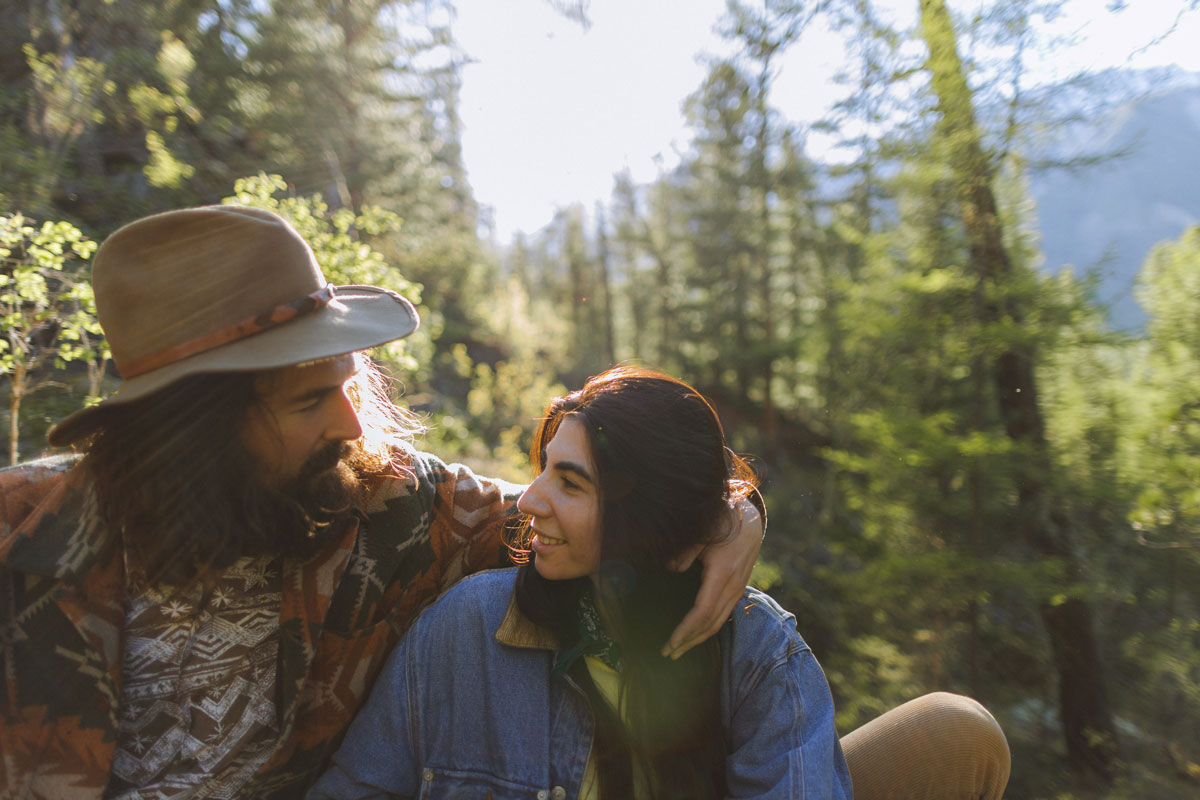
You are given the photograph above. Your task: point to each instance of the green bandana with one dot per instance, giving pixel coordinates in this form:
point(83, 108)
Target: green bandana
point(593, 641)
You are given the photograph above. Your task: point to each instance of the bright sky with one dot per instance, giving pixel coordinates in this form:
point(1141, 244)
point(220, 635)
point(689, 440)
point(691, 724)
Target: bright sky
point(551, 111)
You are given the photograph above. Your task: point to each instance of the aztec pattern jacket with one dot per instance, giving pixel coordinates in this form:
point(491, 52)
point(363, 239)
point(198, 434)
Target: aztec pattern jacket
point(62, 587)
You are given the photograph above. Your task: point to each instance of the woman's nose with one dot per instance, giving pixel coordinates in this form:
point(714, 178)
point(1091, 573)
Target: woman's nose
point(531, 501)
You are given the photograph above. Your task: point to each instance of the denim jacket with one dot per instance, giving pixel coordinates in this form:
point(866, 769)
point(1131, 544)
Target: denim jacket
point(466, 707)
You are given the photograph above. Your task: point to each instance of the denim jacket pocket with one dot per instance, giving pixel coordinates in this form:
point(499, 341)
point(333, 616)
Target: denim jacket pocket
point(442, 784)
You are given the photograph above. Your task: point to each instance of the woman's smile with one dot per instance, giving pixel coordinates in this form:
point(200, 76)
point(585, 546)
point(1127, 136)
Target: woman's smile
point(546, 540)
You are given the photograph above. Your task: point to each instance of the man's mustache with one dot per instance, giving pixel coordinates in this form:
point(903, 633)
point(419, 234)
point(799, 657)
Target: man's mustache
point(323, 460)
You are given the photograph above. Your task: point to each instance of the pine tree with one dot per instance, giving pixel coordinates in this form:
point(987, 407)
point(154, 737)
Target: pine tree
point(1087, 721)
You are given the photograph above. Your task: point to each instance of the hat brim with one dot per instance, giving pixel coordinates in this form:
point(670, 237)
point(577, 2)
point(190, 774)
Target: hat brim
point(358, 318)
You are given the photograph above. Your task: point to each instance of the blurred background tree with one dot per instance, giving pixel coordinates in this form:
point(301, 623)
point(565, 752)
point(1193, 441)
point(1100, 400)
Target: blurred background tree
point(46, 311)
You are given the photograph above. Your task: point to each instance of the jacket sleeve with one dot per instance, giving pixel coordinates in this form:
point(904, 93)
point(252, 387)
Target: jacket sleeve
point(376, 759)
point(471, 514)
point(782, 737)
point(427, 527)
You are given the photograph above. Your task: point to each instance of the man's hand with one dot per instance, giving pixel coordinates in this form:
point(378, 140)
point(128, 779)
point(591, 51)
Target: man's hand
point(727, 566)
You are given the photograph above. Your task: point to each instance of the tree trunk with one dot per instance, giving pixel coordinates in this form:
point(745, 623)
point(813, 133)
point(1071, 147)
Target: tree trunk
point(741, 334)
point(637, 298)
point(606, 295)
point(1087, 722)
point(14, 414)
point(764, 251)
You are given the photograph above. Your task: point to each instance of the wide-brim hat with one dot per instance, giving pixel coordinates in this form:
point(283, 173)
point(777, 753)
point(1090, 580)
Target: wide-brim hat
point(222, 289)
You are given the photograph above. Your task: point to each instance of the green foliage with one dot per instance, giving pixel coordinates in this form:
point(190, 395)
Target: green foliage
point(60, 100)
point(161, 111)
point(876, 676)
point(68, 88)
point(46, 309)
point(1167, 286)
point(114, 108)
point(494, 428)
point(164, 170)
point(1168, 508)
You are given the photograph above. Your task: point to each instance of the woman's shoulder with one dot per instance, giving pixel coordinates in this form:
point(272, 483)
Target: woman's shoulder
point(762, 630)
point(481, 598)
point(481, 589)
point(462, 628)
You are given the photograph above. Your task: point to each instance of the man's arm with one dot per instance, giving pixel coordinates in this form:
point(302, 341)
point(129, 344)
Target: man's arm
point(727, 566)
point(428, 527)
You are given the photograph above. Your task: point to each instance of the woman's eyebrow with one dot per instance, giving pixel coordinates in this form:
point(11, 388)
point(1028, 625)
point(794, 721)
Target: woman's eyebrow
point(574, 468)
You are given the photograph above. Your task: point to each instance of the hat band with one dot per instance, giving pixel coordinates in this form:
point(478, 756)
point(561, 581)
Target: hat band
point(239, 330)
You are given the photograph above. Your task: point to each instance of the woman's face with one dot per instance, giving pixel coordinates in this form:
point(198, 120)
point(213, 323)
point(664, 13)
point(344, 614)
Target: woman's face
point(564, 506)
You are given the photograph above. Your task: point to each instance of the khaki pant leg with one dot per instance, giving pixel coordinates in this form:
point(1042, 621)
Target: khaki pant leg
point(942, 746)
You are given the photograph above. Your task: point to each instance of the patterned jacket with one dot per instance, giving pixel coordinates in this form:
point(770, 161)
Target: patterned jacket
point(62, 587)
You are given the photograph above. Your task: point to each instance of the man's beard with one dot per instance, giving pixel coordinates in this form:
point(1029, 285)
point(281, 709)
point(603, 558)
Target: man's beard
point(247, 516)
point(299, 517)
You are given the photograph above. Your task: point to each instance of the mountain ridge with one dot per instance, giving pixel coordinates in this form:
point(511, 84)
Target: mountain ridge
point(1105, 219)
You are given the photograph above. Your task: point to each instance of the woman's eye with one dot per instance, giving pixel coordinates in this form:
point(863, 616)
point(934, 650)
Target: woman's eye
point(569, 484)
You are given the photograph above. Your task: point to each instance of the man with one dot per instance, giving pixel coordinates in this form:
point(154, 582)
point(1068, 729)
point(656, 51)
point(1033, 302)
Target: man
point(198, 605)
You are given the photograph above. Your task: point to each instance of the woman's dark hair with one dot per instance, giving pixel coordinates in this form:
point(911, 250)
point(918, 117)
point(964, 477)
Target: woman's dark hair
point(666, 483)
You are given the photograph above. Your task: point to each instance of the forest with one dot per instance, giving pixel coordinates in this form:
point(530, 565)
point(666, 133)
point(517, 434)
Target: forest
point(974, 483)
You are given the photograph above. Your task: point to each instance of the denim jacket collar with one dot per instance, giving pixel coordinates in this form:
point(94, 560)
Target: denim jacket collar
point(517, 630)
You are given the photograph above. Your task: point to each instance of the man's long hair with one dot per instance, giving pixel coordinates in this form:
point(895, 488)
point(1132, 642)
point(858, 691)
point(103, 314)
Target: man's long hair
point(666, 479)
point(172, 475)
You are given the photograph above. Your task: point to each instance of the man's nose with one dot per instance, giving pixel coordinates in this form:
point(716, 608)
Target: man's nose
point(344, 425)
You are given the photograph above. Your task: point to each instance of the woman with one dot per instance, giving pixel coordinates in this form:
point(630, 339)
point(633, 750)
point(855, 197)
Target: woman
point(546, 681)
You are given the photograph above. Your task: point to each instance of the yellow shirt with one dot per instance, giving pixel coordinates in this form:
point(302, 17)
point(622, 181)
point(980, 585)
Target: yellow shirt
point(607, 682)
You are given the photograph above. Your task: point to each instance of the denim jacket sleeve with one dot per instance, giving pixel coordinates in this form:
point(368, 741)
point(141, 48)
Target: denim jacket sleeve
point(376, 758)
point(781, 734)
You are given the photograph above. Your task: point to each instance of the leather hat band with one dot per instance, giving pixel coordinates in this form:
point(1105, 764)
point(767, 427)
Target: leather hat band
point(239, 330)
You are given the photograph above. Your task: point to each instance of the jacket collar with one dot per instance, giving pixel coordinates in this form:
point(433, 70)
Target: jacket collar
point(517, 630)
